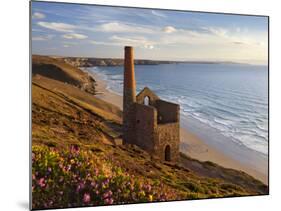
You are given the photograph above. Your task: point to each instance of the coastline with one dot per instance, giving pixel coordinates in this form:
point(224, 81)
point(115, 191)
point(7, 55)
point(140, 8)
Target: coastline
point(191, 144)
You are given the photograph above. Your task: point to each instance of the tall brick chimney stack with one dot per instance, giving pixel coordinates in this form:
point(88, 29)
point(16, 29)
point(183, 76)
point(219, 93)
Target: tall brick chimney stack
point(129, 94)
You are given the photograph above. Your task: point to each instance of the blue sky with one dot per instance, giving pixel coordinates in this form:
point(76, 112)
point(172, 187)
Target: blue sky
point(98, 31)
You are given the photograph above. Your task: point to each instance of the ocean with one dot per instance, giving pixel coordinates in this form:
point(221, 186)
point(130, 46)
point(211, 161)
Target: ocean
point(224, 103)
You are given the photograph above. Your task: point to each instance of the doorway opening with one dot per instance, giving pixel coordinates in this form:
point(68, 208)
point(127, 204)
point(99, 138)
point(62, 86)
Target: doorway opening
point(167, 153)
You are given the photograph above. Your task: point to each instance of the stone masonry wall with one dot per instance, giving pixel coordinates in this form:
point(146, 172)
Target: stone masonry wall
point(167, 112)
point(145, 124)
point(147, 92)
point(129, 95)
point(168, 134)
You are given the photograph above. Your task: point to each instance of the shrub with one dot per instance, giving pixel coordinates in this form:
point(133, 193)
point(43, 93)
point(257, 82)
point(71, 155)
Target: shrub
point(76, 177)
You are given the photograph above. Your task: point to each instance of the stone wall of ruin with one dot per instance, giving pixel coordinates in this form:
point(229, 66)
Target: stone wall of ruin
point(168, 134)
point(145, 124)
point(146, 92)
point(167, 112)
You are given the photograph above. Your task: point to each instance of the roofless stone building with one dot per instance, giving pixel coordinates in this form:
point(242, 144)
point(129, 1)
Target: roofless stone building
point(148, 121)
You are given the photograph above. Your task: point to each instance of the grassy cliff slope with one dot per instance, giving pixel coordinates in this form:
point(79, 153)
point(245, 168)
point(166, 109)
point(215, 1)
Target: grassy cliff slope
point(61, 71)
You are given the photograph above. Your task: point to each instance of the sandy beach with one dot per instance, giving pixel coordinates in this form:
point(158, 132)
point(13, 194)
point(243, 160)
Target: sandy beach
point(194, 146)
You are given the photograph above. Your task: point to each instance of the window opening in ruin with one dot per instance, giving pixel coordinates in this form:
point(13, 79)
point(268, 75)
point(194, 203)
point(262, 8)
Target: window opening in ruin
point(146, 100)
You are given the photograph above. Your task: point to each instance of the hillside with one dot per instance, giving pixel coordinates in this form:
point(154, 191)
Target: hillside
point(90, 62)
point(76, 163)
point(59, 70)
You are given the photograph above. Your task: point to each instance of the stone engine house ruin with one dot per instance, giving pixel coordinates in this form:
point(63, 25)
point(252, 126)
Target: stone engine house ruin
point(148, 121)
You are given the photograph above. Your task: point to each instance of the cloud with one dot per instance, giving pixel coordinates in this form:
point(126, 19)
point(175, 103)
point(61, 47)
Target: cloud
point(134, 41)
point(170, 36)
point(238, 43)
point(169, 29)
point(70, 43)
point(158, 14)
point(221, 32)
point(149, 46)
point(42, 38)
point(259, 43)
point(37, 30)
point(100, 43)
point(38, 15)
point(123, 41)
point(38, 38)
point(123, 27)
point(57, 26)
point(74, 36)
point(247, 41)
point(238, 29)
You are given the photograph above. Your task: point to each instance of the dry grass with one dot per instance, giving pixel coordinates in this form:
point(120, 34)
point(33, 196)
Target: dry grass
point(59, 70)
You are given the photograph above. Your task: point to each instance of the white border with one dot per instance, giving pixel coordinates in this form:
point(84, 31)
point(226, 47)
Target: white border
point(14, 86)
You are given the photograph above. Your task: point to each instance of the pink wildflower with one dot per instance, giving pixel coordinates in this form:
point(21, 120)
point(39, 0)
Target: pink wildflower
point(86, 198)
point(41, 182)
point(108, 201)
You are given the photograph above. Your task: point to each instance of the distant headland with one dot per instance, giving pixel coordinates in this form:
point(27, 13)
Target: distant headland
point(94, 61)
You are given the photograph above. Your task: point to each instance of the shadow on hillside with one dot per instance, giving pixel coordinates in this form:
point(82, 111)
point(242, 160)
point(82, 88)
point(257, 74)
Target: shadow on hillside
point(54, 72)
